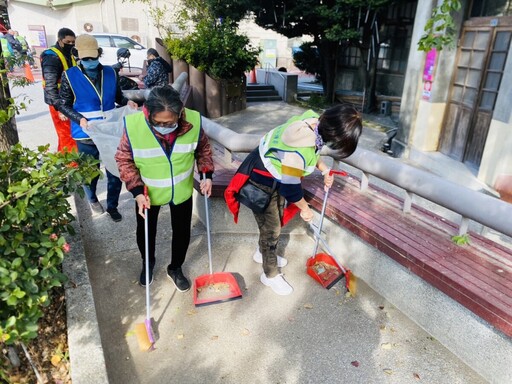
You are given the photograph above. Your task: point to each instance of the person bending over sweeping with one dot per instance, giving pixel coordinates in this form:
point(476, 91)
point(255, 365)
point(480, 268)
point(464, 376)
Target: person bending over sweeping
point(158, 149)
point(286, 154)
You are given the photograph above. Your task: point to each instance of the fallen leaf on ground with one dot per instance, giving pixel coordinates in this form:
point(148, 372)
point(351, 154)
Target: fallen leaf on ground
point(308, 306)
point(348, 294)
point(192, 312)
point(388, 371)
point(416, 376)
point(355, 363)
point(386, 345)
point(245, 332)
point(215, 337)
point(129, 333)
point(180, 336)
point(55, 360)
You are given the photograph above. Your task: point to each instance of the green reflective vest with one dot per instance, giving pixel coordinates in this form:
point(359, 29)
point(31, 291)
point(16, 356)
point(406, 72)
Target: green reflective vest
point(271, 143)
point(23, 42)
point(5, 47)
point(168, 179)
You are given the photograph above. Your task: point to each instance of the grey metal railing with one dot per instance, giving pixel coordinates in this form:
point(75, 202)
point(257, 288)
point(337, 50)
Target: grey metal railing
point(471, 205)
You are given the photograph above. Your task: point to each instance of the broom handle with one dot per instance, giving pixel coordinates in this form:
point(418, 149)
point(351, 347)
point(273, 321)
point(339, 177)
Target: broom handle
point(146, 253)
point(324, 205)
point(208, 229)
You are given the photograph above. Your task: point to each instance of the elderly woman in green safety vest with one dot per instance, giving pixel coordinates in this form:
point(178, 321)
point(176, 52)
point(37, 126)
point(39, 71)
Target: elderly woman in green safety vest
point(158, 150)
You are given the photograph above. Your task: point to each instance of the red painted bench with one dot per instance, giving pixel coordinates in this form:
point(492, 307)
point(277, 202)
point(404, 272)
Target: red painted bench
point(477, 275)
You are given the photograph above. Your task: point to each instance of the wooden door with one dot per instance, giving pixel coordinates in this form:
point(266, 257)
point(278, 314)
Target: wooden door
point(475, 86)
point(487, 98)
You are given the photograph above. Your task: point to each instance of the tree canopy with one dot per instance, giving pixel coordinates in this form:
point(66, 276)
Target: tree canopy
point(333, 24)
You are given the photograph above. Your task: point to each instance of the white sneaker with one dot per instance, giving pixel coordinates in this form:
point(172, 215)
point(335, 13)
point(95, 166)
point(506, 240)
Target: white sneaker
point(278, 284)
point(97, 208)
point(258, 258)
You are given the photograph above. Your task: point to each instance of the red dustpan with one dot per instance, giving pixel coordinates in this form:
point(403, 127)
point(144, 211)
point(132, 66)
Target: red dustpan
point(216, 287)
point(323, 267)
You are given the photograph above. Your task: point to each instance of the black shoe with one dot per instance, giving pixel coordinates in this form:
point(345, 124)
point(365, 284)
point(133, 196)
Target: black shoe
point(115, 215)
point(142, 278)
point(179, 280)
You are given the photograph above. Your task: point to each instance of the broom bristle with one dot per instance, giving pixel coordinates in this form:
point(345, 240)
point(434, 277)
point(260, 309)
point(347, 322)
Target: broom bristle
point(351, 283)
point(143, 338)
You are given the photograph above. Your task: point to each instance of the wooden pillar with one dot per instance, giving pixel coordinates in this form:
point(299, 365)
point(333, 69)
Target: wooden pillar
point(213, 98)
point(197, 83)
point(179, 66)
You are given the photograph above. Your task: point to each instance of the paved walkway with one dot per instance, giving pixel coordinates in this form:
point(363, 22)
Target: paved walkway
point(313, 336)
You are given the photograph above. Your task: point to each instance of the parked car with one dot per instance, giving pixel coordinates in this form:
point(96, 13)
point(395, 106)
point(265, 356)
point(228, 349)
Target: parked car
point(110, 43)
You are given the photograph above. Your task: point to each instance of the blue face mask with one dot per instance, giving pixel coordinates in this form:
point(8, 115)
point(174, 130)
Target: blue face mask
point(90, 64)
point(165, 130)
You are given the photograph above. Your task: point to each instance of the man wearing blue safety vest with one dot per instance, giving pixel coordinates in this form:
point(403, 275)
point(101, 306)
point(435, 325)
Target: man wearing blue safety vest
point(87, 92)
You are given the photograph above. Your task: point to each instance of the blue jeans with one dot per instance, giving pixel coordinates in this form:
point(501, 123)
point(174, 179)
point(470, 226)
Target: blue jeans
point(114, 184)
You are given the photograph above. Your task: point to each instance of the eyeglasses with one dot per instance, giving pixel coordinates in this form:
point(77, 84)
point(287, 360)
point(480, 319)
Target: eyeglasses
point(89, 58)
point(166, 124)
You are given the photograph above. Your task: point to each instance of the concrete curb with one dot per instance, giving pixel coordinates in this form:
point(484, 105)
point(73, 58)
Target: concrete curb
point(85, 349)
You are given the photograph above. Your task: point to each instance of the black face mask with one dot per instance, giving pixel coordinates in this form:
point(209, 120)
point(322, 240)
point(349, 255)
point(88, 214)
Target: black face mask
point(66, 49)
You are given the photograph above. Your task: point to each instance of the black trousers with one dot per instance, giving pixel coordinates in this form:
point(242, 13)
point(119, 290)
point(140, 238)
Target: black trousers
point(181, 219)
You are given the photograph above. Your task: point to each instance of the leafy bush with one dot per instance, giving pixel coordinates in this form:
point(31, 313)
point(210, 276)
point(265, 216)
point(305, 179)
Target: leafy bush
point(34, 216)
point(216, 49)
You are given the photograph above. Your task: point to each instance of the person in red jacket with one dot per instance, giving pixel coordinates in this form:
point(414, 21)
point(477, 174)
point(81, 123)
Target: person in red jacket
point(285, 155)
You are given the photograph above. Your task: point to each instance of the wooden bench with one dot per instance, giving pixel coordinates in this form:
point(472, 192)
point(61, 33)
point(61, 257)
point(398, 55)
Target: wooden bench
point(477, 275)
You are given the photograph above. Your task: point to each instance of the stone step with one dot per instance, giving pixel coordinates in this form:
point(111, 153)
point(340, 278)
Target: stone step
point(263, 98)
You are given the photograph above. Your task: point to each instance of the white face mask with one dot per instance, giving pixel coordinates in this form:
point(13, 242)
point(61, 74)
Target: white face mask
point(165, 130)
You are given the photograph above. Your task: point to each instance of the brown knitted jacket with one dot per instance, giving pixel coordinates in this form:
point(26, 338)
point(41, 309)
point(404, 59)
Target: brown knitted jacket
point(129, 173)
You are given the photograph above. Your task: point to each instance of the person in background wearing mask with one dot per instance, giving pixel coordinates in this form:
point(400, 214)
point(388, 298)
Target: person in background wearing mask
point(87, 91)
point(16, 45)
point(26, 51)
point(157, 150)
point(158, 70)
point(54, 61)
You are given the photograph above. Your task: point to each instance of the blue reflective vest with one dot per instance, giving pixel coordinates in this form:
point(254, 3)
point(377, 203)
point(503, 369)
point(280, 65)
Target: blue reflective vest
point(88, 101)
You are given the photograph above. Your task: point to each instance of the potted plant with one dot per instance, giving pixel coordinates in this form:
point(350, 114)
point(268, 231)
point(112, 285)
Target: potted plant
point(215, 48)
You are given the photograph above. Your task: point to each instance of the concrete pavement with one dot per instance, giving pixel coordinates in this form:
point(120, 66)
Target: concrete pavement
point(312, 336)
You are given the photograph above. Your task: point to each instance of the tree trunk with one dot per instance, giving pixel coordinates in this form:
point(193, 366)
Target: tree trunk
point(370, 53)
point(9, 133)
point(327, 51)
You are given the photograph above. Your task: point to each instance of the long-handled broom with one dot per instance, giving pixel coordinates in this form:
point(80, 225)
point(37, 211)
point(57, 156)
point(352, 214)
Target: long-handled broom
point(215, 287)
point(144, 330)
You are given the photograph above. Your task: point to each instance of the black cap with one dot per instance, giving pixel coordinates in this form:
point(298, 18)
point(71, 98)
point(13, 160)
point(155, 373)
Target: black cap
point(153, 51)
